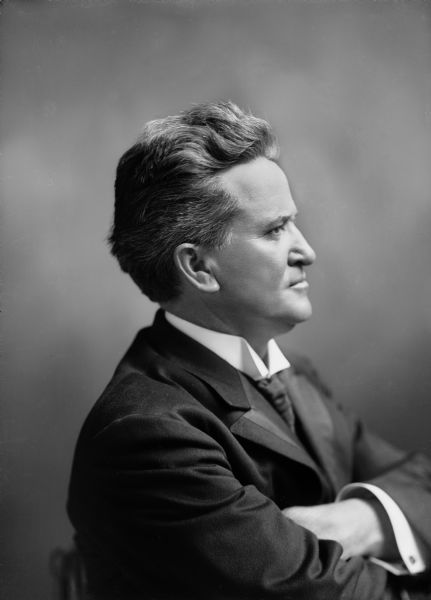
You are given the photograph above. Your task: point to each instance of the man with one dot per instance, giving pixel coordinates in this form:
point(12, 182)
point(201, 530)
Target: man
point(215, 465)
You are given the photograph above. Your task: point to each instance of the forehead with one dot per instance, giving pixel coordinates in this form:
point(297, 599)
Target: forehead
point(260, 188)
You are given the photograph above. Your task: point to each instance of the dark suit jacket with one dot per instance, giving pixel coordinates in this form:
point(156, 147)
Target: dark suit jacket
point(182, 467)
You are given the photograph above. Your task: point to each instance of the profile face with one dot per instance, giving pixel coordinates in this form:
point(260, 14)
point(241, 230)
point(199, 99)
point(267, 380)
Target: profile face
point(261, 271)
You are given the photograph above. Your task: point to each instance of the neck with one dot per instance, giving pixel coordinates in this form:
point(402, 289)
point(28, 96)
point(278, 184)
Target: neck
point(256, 334)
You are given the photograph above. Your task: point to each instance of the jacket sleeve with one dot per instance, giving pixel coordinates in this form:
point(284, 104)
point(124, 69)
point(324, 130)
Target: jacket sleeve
point(160, 493)
point(405, 477)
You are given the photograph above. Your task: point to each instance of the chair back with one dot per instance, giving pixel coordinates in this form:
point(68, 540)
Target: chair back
point(68, 574)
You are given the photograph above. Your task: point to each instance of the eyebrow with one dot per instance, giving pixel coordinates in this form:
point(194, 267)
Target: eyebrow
point(281, 220)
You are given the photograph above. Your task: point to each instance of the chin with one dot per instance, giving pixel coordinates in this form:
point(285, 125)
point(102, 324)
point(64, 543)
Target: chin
point(301, 314)
point(287, 321)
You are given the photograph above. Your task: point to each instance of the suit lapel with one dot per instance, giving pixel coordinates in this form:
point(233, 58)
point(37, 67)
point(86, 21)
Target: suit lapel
point(317, 423)
point(198, 360)
point(257, 421)
point(263, 425)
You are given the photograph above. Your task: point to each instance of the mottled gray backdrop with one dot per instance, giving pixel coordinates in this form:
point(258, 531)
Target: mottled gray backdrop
point(347, 86)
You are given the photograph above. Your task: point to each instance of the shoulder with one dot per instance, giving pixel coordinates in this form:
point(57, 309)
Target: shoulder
point(149, 424)
point(133, 396)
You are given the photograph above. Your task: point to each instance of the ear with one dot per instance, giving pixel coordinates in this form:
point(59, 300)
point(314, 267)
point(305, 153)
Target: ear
point(195, 265)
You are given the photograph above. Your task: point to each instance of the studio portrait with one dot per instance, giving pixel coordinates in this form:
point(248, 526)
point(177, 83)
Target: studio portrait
point(216, 307)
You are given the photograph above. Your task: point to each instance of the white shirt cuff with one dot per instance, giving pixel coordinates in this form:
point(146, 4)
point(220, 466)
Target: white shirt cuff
point(405, 538)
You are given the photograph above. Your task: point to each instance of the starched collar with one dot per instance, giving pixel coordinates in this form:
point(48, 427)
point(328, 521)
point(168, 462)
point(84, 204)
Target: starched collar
point(234, 349)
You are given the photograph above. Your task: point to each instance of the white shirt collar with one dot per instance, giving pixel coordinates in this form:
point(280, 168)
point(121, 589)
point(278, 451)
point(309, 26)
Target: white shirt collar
point(234, 349)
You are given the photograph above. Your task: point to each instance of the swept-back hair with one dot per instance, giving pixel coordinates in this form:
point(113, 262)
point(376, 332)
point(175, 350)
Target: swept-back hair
point(167, 190)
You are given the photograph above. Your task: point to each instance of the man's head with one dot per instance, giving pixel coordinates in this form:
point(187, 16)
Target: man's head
point(168, 189)
point(205, 216)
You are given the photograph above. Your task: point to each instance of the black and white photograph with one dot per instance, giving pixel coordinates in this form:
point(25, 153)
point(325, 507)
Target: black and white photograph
point(216, 300)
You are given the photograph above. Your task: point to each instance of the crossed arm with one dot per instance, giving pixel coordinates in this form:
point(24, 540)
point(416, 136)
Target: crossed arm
point(360, 526)
point(363, 522)
point(360, 521)
point(166, 488)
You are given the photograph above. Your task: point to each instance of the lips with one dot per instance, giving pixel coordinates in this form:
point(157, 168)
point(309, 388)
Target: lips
point(299, 282)
point(300, 285)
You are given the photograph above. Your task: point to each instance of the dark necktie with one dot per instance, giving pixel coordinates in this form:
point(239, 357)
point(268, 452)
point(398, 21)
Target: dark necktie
point(275, 391)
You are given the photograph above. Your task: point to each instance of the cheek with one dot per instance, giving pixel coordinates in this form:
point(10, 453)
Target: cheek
point(255, 260)
point(251, 267)
point(270, 261)
point(235, 262)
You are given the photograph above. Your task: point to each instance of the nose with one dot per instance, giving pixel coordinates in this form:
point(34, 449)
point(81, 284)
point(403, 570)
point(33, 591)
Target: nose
point(301, 252)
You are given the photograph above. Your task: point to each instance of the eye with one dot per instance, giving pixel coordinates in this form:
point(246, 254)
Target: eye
point(278, 229)
point(275, 231)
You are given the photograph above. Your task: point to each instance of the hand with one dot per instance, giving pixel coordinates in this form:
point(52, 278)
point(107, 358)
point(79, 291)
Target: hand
point(356, 524)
